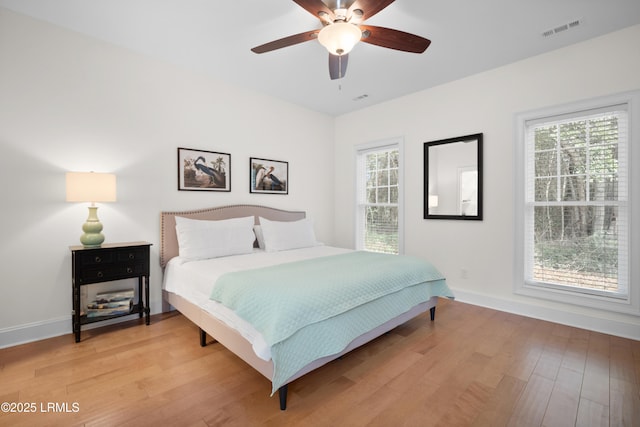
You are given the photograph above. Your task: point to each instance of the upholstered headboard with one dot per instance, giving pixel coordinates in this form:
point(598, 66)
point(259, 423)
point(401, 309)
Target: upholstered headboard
point(169, 239)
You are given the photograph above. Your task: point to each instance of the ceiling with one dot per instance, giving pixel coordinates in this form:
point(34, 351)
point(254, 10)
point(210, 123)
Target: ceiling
point(215, 37)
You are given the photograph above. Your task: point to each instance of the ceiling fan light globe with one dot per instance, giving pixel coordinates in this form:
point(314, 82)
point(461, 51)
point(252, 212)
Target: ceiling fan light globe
point(339, 38)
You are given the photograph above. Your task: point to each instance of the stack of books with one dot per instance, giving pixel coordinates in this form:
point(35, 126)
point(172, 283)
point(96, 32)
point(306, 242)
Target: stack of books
point(111, 303)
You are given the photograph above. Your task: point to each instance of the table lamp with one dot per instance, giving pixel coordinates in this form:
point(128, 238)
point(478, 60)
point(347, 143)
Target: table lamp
point(91, 187)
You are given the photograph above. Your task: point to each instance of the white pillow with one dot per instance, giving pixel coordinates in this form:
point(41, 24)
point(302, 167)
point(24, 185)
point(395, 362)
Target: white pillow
point(283, 235)
point(198, 239)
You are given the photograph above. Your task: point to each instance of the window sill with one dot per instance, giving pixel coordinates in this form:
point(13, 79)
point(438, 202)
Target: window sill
point(615, 304)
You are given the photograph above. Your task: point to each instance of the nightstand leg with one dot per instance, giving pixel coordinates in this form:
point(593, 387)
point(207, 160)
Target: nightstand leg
point(147, 309)
point(75, 317)
point(141, 297)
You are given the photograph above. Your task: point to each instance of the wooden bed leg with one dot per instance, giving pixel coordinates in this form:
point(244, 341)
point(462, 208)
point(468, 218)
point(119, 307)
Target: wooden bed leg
point(203, 338)
point(282, 393)
point(432, 312)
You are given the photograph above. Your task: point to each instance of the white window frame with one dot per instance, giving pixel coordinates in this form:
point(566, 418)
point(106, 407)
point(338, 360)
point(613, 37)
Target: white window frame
point(363, 149)
point(630, 304)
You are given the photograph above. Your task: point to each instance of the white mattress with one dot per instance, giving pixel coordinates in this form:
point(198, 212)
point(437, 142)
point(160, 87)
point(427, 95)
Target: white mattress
point(194, 280)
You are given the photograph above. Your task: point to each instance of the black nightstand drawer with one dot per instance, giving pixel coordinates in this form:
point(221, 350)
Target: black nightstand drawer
point(132, 254)
point(90, 258)
point(111, 272)
point(138, 268)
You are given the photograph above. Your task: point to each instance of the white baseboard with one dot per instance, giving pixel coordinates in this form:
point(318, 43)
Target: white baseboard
point(35, 331)
point(607, 326)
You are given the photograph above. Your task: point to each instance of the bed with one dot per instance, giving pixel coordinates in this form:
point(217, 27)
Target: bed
point(191, 282)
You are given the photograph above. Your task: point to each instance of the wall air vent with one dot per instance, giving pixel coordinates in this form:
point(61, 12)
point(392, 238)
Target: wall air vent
point(561, 28)
point(361, 97)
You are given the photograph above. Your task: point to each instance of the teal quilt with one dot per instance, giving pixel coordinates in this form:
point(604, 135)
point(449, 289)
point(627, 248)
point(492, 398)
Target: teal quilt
point(314, 308)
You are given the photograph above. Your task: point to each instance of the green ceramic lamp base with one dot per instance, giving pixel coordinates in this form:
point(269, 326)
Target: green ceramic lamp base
point(92, 236)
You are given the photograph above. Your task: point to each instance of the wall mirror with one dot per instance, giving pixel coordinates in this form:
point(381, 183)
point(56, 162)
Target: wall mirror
point(453, 178)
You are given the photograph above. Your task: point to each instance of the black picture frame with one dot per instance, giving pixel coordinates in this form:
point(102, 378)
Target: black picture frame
point(202, 170)
point(267, 176)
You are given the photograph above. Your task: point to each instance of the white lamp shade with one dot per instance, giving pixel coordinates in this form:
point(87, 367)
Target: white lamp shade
point(339, 38)
point(91, 187)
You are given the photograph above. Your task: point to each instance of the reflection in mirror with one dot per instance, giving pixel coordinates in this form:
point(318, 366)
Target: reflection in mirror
point(453, 178)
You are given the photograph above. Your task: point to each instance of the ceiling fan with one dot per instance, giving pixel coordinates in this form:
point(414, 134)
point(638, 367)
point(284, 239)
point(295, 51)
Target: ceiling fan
point(342, 29)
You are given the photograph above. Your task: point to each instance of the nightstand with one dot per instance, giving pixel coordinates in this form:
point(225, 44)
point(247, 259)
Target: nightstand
point(109, 262)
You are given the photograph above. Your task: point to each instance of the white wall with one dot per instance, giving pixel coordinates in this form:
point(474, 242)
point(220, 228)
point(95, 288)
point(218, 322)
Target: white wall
point(72, 103)
point(487, 102)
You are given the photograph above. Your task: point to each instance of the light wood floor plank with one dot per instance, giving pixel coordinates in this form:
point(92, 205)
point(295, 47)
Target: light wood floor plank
point(532, 405)
point(499, 407)
point(562, 409)
point(592, 414)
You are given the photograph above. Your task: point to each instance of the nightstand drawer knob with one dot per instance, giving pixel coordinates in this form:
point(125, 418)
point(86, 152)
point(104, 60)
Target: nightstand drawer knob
point(131, 256)
point(100, 274)
point(98, 259)
point(129, 270)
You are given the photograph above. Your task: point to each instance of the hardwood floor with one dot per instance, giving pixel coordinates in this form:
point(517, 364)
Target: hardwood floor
point(471, 367)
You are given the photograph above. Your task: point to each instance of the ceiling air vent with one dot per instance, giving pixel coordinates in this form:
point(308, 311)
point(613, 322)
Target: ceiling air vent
point(561, 28)
point(358, 98)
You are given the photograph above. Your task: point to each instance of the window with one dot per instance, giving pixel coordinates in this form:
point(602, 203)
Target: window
point(379, 197)
point(574, 205)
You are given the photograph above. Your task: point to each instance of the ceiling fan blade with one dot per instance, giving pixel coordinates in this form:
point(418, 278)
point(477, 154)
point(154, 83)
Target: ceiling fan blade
point(394, 39)
point(286, 41)
point(370, 7)
point(314, 7)
point(338, 66)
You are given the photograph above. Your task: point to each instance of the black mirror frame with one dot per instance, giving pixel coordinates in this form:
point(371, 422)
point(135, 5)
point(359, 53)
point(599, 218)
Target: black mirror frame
point(478, 137)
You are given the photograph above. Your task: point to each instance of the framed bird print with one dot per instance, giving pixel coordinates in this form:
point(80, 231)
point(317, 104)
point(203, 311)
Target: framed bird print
point(200, 170)
point(268, 176)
